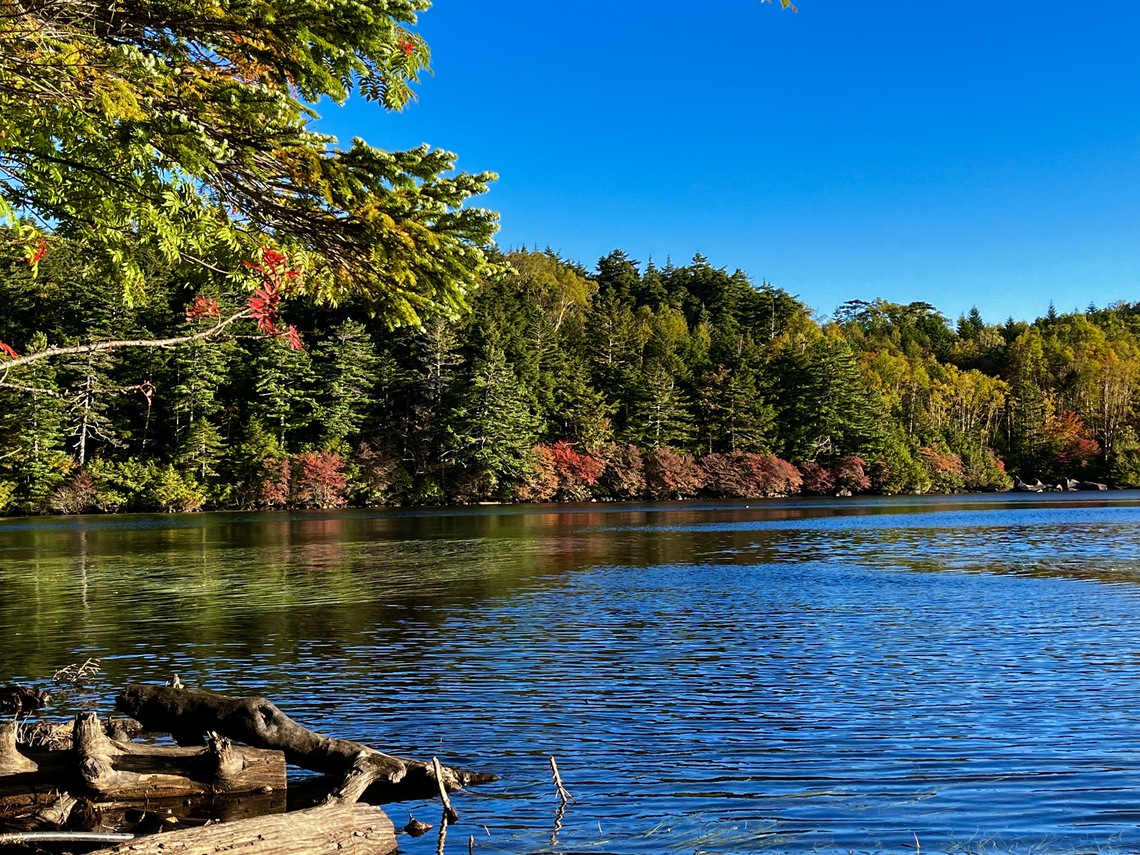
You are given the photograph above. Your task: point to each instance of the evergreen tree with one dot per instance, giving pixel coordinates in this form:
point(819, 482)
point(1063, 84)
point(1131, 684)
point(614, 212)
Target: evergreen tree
point(33, 436)
point(281, 380)
point(495, 428)
point(659, 414)
point(345, 369)
point(834, 413)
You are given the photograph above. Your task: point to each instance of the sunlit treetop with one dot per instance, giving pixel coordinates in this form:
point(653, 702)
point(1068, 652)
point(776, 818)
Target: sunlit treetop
point(181, 128)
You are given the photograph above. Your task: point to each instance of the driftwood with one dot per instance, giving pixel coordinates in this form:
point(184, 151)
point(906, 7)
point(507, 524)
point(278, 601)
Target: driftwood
point(16, 699)
point(126, 771)
point(12, 762)
point(187, 714)
point(35, 838)
point(339, 824)
point(116, 773)
point(102, 782)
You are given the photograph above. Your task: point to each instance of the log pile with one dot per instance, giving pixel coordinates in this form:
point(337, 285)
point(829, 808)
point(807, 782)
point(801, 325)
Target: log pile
point(231, 755)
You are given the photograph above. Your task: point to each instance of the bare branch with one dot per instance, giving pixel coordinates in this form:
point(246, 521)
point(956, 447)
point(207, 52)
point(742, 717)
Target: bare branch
point(104, 346)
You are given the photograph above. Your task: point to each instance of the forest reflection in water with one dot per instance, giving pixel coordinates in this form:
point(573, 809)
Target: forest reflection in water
point(832, 674)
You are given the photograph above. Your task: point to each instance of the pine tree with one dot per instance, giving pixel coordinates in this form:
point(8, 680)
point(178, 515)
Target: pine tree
point(660, 412)
point(832, 412)
point(346, 373)
point(281, 380)
point(495, 429)
point(33, 436)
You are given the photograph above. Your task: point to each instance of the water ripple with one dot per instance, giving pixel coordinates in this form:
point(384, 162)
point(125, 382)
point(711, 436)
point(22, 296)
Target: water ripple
point(819, 676)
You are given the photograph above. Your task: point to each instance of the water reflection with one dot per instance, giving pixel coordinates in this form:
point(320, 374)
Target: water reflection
point(828, 675)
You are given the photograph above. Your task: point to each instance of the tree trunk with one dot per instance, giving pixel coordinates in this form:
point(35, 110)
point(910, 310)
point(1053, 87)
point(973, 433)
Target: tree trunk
point(188, 714)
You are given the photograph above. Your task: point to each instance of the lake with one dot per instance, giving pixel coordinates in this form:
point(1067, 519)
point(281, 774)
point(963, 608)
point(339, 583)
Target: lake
point(827, 675)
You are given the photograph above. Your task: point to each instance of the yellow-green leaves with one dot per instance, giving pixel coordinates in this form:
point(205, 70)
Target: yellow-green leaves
point(178, 129)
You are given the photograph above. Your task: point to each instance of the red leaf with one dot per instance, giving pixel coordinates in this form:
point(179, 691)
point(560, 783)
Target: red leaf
point(294, 337)
point(263, 306)
point(8, 352)
point(40, 252)
point(202, 307)
point(272, 257)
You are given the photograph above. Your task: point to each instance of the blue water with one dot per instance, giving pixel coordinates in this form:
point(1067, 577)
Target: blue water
point(832, 675)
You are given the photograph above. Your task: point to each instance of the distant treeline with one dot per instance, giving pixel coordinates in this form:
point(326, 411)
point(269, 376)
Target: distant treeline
point(561, 384)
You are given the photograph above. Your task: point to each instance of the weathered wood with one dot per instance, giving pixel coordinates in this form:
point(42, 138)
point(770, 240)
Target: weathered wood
point(188, 714)
point(55, 815)
point(336, 826)
point(17, 699)
point(360, 829)
point(34, 838)
point(128, 771)
point(114, 771)
point(12, 762)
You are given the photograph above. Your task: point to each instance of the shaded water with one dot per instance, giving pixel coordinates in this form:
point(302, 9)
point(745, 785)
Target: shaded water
point(833, 675)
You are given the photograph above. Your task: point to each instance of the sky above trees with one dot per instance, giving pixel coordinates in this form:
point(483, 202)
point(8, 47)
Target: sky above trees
point(959, 155)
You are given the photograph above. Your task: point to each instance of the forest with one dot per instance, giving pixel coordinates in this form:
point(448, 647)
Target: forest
point(560, 383)
point(206, 303)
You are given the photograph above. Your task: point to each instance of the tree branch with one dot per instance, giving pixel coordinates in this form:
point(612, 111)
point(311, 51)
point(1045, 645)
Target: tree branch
point(103, 346)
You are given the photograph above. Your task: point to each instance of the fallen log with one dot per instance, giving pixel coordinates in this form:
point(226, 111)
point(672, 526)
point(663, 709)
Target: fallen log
point(128, 771)
point(35, 838)
point(113, 772)
point(188, 714)
point(339, 824)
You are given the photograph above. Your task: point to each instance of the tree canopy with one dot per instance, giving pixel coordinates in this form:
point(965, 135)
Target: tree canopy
point(155, 135)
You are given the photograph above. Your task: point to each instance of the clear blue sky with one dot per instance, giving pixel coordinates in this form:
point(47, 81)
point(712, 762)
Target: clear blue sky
point(961, 154)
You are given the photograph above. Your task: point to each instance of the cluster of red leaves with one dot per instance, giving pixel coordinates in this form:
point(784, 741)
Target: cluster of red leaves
point(1067, 434)
point(202, 307)
point(741, 474)
point(947, 472)
point(624, 475)
point(560, 471)
point(850, 473)
point(276, 473)
point(264, 305)
point(669, 475)
point(846, 474)
point(949, 464)
point(576, 471)
point(38, 253)
point(817, 479)
point(313, 479)
point(277, 278)
point(318, 480)
point(405, 42)
point(8, 351)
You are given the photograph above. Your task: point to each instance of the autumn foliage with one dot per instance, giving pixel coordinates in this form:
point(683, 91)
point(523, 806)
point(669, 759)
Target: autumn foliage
point(817, 479)
point(318, 480)
point(672, 475)
point(577, 471)
point(740, 474)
